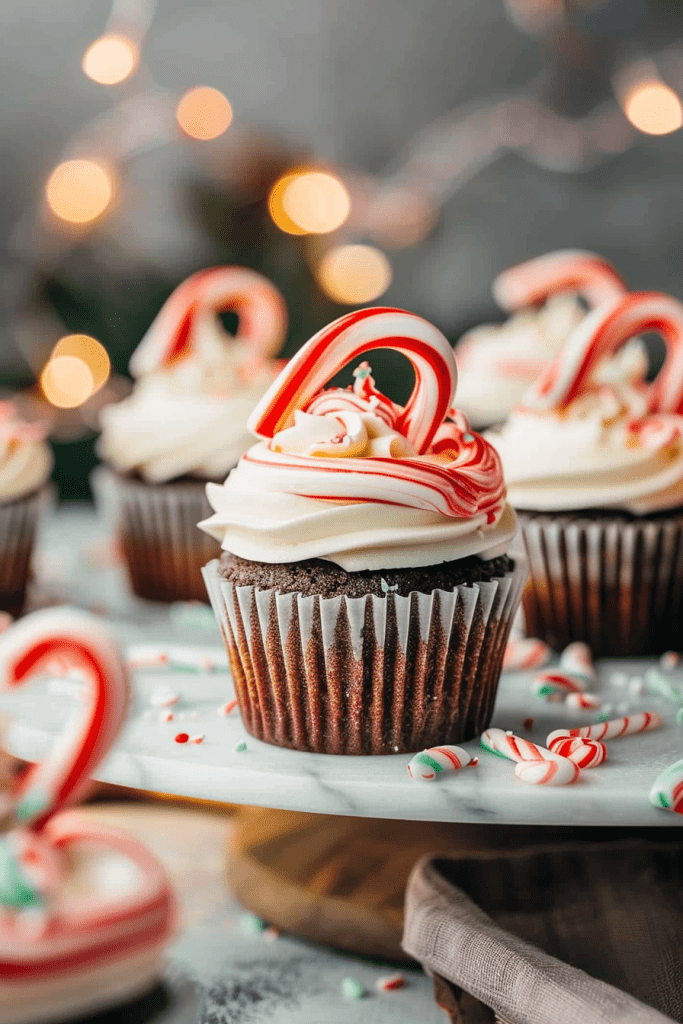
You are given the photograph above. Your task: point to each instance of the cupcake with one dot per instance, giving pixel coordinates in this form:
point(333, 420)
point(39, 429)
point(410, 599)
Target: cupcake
point(185, 424)
point(547, 298)
point(595, 472)
point(365, 591)
point(25, 465)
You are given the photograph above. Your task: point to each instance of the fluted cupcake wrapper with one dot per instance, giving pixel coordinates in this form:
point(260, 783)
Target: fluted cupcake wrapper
point(18, 523)
point(157, 525)
point(614, 582)
point(369, 675)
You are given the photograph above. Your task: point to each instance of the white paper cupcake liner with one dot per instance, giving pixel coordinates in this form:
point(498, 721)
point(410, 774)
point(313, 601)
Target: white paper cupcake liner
point(612, 581)
point(157, 524)
point(369, 675)
point(18, 523)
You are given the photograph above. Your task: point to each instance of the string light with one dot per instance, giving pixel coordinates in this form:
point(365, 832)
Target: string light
point(89, 351)
point(204, 113)
point(79, 191)
point(352, 274)
point(316, 202)
point(277, 211)
point(67, 382)
point(653, 108)
point(110, 59)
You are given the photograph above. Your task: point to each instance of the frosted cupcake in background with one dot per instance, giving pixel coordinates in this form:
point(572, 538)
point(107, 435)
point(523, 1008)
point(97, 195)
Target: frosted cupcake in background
point(185, 423)
point(26, 463)
point(595, 471)
point(548, 298)
point(365, 592)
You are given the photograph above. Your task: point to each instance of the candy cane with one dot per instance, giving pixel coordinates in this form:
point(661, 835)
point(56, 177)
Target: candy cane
point(547, 773)
point(526, 652)
point(514, 748)
point(532, 282)
point(585, 753)
point(627, 726)
point(26, 649)
point(172, 335)
point(553, 684)
point(599, 335)
point(350, 337)
point(577, 659)
point(437, 760)
point(583, 701)
point(667, 791)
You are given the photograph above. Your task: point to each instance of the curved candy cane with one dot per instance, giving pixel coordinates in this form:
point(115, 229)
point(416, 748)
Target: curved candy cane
point(514, 748)
point(577, 659)
point(434, 761)
point(583, 701)
point(612, 730)
point(554, 685)
point(599, 335)
point(26, 649)
point(532, 282)
point(585, 753)
point(261, 309)
point(526, 652)
point(667, 791)
point(352, 336)
point(547, 773)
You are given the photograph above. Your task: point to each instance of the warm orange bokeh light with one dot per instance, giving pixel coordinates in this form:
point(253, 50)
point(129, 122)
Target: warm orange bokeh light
point(316, 201)
point(276, 209)
point(352, 274)
point(79, 191)
point(67, 382)
point(653, 108)
point(110, 59)
point(88, 350)
point(204, 113)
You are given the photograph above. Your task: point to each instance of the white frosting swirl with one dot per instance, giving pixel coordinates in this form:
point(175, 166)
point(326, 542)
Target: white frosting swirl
point(188, 417)
point(25, 457)
point(603, 450)
point(345, 485)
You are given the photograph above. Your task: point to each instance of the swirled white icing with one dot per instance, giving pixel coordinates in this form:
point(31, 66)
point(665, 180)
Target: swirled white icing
point(601, 451)
point(344, 484)
point(25, 457)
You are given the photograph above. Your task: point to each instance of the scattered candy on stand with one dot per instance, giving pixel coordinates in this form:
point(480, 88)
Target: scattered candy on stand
point(240, 748)
point(585, 753)
point(670, 659)
point(553, 685)
point(577, 659)
point(524, 653)
point(667, 791)
point(658, 683)
point(629, 725)
point(583, 701)
point(351, 988)
point(390, 982)
point(547, 773)
point(73, 961)
point(225, 709)
point(434, 761)
point(515, 748)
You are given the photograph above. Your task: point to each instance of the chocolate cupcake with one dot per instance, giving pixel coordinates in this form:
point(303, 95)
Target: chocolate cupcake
point(595, 471)
point(546, 298)
point(365, 594)
point(185, 424)
point(25, 465)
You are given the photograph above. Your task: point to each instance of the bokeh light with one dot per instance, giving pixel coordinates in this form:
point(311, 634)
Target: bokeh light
point(315, 201)
point(352, 274)
point(110, 59)
point(90, 351)
point(67, 382)
point(79, 191)
point(653, 108)
point(204, 113)
point(280, 217)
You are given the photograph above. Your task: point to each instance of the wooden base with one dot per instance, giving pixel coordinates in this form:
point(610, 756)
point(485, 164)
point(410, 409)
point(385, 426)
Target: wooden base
point(341, 881)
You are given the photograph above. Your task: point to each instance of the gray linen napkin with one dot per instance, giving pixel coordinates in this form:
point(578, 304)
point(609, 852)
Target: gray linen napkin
point(559, 935)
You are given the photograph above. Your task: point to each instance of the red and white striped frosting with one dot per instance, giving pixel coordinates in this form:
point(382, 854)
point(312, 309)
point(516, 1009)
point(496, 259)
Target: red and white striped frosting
point(356, 462)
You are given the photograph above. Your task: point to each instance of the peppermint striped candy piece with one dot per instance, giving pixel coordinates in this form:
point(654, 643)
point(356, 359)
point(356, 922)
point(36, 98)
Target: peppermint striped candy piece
point(667, 791)
point(434, 761)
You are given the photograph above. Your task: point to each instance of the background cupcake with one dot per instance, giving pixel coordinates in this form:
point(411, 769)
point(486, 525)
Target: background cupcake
point(596, 473)
point(365, 594)
point(185, 423)
point(548, 297)
point(25, 466)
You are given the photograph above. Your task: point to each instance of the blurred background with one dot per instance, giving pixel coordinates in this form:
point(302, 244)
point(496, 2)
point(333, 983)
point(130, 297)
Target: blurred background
point(354, 151)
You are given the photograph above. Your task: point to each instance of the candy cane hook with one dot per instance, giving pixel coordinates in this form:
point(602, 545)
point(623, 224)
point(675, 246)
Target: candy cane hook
point(26, 649)
point(532, 282)
point(260, 306)
point(350, 337)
